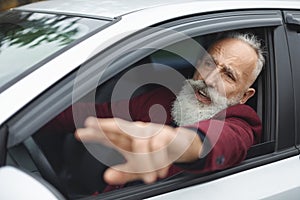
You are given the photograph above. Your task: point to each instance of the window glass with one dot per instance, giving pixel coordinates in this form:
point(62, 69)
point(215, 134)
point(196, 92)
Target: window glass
point(28, 38)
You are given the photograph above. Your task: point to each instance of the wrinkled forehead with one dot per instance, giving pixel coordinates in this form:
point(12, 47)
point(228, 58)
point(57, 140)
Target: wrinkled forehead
point(233, 46)
point(234, 53)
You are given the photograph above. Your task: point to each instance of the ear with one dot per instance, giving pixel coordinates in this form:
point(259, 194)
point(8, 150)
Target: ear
point(247, 95)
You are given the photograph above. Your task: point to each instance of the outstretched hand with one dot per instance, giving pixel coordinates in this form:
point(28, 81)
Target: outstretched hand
point(149, 149)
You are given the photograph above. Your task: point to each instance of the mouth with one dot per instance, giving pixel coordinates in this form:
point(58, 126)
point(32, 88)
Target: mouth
point(202, 97)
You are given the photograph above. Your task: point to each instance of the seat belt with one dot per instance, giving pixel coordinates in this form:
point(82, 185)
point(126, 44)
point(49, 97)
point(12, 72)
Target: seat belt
point(43, 164)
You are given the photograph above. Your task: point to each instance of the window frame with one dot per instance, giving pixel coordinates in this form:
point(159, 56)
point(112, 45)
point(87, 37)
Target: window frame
point(292, 19)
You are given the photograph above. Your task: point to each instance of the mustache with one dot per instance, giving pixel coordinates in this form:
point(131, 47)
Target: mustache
point(210, 92)
point(187, 109)
point(200, 85)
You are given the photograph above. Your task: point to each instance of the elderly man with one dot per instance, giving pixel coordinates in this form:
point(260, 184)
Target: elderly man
point(206, 127)
point(214, 127)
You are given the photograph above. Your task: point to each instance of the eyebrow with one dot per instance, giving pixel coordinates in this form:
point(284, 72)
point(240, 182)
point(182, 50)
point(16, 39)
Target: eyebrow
point(227, 68)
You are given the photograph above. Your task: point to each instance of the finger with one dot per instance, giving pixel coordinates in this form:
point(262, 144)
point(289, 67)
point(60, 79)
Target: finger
point(141, 156)
point(89, 135)
point(104, 124)
point(91, 132)
point(160, 163)
point(92, 135)
point(163, 172)
point(100, 130)
point(92, 122)
point(112, 125)
point(130, 129)
point(160, 157)
point(139, 165)
point(120, 175)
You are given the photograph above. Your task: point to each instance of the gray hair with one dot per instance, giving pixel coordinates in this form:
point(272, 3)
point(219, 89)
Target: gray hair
point(253, 42)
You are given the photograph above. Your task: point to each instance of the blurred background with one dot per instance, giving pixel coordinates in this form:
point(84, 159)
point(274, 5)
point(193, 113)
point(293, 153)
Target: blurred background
point(7, 4)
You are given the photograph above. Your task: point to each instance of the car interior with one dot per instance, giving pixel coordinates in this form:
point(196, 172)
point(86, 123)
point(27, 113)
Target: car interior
point(65, 162)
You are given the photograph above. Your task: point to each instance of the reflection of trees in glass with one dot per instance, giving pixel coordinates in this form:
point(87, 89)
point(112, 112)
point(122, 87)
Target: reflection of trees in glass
point(33, 29)
point(7, 4)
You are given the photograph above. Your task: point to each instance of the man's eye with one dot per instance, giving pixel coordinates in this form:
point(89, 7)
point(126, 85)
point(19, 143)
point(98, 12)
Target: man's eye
point(209, 63)
point(230, 75)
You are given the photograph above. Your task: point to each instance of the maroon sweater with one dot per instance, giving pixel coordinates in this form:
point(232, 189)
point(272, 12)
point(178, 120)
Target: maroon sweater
point(226, 137)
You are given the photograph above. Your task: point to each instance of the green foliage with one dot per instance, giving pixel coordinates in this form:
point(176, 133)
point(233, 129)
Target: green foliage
point(33, 31)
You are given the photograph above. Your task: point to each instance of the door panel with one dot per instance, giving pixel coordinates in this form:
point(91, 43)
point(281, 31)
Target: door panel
point(259, 183)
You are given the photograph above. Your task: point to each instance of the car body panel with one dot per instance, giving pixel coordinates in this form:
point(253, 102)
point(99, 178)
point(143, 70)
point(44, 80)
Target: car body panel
point(95, 8)
point(278, 179)
point(18, 181)
point(116, 8)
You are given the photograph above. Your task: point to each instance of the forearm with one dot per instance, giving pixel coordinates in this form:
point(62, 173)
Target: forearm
point(191, 145)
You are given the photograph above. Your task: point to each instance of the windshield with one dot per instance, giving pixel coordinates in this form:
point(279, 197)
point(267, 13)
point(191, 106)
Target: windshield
point(27, 39)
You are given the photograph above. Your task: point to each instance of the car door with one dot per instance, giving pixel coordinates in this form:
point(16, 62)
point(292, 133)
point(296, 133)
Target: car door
point(275, 153)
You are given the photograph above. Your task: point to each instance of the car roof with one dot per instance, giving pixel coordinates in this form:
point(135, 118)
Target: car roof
point(96, 8)
point(115, 8)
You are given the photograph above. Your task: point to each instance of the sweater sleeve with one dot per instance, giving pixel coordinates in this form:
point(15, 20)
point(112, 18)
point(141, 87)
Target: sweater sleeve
point(226, 138)
point(152, 106)
point(74, 116)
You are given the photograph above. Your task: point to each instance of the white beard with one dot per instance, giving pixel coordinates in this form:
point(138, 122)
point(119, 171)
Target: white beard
point(187, 109)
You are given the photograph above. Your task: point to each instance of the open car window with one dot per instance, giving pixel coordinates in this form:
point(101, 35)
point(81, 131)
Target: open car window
point(67, 158)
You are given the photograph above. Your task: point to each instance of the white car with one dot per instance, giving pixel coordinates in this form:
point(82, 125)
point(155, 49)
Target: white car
point(55, 53)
